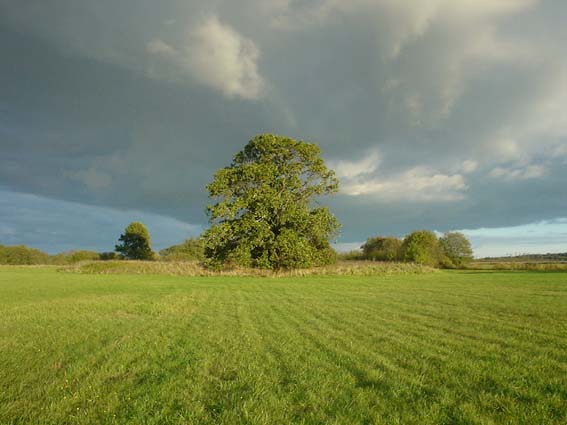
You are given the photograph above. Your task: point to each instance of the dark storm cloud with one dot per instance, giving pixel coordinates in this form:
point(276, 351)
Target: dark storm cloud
point(459, 105)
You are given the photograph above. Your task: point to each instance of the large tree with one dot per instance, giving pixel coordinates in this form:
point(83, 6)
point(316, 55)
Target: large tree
point(264, 215)
point(135, 242)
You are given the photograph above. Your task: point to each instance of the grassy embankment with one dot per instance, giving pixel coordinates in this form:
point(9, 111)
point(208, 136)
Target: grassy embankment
point(447, 347)
point(194, 268)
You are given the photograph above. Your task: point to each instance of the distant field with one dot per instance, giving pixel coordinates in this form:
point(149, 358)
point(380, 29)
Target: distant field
point(542, 266)
point(477, 347)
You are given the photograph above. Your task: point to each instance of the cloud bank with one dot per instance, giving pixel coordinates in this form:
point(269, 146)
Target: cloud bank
point(216, 56)
point(439, 114)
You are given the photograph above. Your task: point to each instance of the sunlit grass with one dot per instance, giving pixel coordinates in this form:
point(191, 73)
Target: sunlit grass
point(194, 268)
point(446, 347)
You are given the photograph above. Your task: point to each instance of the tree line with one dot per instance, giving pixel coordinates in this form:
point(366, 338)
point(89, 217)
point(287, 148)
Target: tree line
point(453, 249)
point(189, 250)
point(266, 214)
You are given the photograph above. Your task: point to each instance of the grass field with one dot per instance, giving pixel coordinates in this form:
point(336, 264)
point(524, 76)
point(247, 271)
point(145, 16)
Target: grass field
point(443, 348)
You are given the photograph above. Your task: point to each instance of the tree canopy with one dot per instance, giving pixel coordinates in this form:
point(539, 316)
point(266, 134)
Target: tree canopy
point(382, 248)
point(21, 254)
point(136, 242)
point(456, 247)
point(264, 215)
point(422, 247)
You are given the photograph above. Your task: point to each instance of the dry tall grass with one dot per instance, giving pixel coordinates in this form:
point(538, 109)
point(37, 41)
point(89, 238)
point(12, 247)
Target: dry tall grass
point(519, 266)
point(187, 268)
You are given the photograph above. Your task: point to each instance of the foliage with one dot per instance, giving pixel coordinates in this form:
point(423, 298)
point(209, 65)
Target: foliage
point(71, 257)
point(380, 248)
point(108, 256)
point(427, 349)
point(457, 248)
point(136, 243)
point(422, 247)
point(264, 216)
point(191, 249)
point(22, 255)
point(354, 255)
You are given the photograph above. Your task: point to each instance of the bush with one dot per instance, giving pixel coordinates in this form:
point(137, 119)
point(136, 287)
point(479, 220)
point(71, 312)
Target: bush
point(422, 247)
point(382, 248)
point(22, 255)
point(108, 256)
point(190, 250)
point(71, 257)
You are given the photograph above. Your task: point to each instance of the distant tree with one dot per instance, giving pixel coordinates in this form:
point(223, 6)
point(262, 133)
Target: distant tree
point(107, 256)
point(422, 247)
point(191, 249)
point(71, 257)
point(457, 248)
point(354, 255)
point(380, 248)
point(136, 243)
point(22, 255)
point(264, 215)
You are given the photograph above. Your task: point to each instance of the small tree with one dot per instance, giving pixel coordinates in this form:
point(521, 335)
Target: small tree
point(457, 248)
point(382, 248)
point(264, 215)
point(421, 247)
point(136, 243)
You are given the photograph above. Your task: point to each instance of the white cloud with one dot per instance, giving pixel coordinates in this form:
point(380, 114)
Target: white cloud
point(217, 56)
point(532, 171)
point(559, 151)
point(158, 47)
point(419, 184)
point(469, 166)
point(354, 169)
point(505, 148)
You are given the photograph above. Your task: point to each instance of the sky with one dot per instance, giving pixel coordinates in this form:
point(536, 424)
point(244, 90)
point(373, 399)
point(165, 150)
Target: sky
point(436, 114)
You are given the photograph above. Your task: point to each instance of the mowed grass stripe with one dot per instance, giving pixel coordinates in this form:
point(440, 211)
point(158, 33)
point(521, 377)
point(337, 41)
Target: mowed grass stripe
point(443, 348)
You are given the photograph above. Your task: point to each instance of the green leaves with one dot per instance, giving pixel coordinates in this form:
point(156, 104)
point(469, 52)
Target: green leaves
point(422, 247)
point(456, 247)
point(190, 250)
point(136, 243)
point(380, 248)
point(262, 216)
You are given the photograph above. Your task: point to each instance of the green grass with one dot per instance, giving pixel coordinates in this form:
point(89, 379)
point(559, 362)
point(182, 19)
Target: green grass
point(441, 348)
